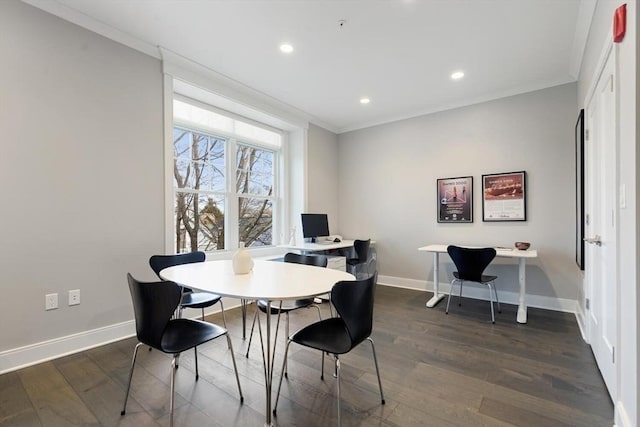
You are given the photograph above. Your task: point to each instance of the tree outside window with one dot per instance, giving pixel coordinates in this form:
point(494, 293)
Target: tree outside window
point(201, 194)
point(254, 187)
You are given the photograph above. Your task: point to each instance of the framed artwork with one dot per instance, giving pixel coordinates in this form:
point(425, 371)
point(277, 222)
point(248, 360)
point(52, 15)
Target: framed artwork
point(455, 199)
point(504, 197)
point(579, 140)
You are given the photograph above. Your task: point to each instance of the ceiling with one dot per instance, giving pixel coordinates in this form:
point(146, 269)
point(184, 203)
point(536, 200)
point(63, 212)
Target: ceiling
point(398, 53)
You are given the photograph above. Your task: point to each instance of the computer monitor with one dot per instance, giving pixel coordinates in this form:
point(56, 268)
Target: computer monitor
point(314, 225)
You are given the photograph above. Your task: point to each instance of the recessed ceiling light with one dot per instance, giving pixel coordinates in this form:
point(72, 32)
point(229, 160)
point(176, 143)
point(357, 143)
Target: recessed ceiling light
point(364, 100)
point(286, 48)
point(457, 75)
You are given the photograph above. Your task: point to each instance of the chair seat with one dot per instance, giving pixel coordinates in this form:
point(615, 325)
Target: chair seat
point(330, 335)
point(483, 280)
point(287, 306)
point(184, 334)
point(199, 299)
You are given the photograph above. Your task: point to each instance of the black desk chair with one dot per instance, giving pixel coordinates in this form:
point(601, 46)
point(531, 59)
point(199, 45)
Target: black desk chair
point(353, 301)
point(362, 255)
point(190, 299)
point(154, 304)
point(289, 306)
point(471, 263)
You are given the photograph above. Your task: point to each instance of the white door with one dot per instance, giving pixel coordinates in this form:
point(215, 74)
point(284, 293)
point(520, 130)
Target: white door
point(602, 219)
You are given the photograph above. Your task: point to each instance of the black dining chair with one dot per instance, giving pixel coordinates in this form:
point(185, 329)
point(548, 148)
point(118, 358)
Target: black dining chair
point(289, 306)
point(190, 298)
point(361, 248)
point(154, 304)
point(471, 263)
point(353, 301)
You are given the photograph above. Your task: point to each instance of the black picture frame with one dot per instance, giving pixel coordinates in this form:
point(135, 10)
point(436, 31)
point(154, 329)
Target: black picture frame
point(504, 197)
point(580, 225)
point(455, 199)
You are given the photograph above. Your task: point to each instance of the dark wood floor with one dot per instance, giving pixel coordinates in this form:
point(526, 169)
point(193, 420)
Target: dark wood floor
point(437, 370)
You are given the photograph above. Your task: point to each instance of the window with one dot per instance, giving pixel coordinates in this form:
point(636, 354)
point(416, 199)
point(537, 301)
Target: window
point(254, 188)
point(224, 180)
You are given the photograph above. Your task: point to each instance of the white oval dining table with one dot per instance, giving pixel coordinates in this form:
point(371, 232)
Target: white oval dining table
point(269, 280)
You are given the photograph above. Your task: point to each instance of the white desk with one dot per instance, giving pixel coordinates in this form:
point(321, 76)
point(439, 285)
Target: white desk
point(317, 247)
point(501, 252)
point(271, 281)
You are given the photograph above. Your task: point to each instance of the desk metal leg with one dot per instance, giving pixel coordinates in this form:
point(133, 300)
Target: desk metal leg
point(522, 307)
point(268, 357)
point(437, 296)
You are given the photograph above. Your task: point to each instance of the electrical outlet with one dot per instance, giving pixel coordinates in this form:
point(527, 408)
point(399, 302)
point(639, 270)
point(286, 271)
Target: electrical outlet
point(74, 297)
point(51, 301)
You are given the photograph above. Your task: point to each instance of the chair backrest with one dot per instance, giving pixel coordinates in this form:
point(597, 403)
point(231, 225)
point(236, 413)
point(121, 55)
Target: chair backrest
point(317, 260)
point(153, 305)
point(471, 262)
point(160, 262)
point(362, 249)
point(353, 301)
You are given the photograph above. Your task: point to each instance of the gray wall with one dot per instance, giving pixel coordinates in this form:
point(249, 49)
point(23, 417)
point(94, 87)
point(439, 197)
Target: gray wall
point(322, 175)
point(82, 173)
point(388, 185)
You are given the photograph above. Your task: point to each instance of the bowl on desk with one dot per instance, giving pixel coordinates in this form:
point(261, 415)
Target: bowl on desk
point(522, 246)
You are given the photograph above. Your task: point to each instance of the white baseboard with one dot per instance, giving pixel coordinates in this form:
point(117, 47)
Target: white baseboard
point(622, 416)
point(17, 358)
point(32, 354)
point(538, 301)
point(581, 319)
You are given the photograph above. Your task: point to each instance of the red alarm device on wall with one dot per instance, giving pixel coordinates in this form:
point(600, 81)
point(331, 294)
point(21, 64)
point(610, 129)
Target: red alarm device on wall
point(619, 23)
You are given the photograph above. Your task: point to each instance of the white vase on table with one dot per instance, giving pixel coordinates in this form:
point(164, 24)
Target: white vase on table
point(242, 261)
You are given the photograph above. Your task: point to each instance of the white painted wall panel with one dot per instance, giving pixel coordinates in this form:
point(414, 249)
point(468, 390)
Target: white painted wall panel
point(82, 174)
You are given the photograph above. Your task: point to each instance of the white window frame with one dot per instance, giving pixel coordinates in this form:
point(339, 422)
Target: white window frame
point(230, 194)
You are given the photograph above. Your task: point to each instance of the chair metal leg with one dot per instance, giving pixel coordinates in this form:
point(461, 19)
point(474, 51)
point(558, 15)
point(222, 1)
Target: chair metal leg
point(375, 360)
point(338, 384)
point(202, 314)
point(460, 296)
point(243, 308)
point(173, 380)
point(286, 351)
point(224, 321)
point(235, 367)
point(286, 327)
point(449, 299)
point(493, 319)
point(180, 308)
point(133, 363)
point(253, 324)
point(495, 291)
point(319, 314)
point(195, 352)
point(322, 367)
